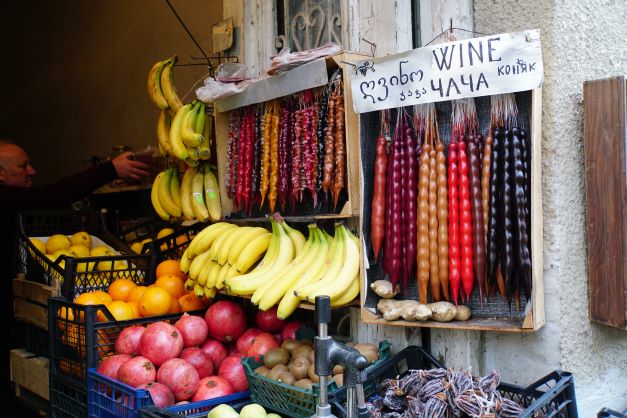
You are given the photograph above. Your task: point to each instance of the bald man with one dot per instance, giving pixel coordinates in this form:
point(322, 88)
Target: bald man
point(18, 193)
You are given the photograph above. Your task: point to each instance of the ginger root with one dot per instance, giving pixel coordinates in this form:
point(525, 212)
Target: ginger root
point(384, 289)
point(409, 310)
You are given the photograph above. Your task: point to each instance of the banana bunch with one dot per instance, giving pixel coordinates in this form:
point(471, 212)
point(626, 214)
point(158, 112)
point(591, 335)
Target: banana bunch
point(161, 87)
point(222, 250)
point(189, 137)
point(196, 196)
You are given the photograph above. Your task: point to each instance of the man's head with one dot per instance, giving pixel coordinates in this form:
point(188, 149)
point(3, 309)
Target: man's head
point(15, 167)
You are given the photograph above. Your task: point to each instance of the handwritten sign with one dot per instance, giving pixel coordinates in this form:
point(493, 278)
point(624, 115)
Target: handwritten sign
point(496, 64)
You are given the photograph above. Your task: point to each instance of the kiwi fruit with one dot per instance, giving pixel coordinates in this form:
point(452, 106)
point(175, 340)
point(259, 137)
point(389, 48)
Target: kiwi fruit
point(286, 377)
point(299, 367)
point(312, 374)
point(311, 357)
point(337, 369)
point(370, 351)
point(276, 371)
point(339, 379)
point(301, 351)
point(275, 356)
point(263, 370)
point(308, 343)
point(306, 384)
point(289, 344)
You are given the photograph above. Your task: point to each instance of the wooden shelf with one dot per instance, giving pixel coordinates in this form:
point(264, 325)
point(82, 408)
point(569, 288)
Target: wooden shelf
point(290, 219)
point(115, 189)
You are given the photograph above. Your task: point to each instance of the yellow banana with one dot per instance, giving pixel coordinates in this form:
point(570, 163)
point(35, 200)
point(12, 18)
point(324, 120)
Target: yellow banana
point(154, 85)
point(212, 195)
point(348, 295)
point(201, 116)
point(290, 302)
point(186, 193)
point(210, 292)
point(343, 279)
point(222, 275)
point(198, 202)
point(203, 126)
point(163, 132)
point(199, 290)
point(185, 261)
point(212, 276)
point(190, 137)
point(246, 284)
point(337, 260)
point(176, 141)
point(167, 86)
point(203, 276)
point(223, 251)
point(296, 236)
point(154, 198)
point(205, 238)
point(252, 252)
point(272, 293)
point(245, 239)
point(175, 187)
point(217, 244)
point(197, 264)
point(191, 162)
point(189, 284)
point(165, 198)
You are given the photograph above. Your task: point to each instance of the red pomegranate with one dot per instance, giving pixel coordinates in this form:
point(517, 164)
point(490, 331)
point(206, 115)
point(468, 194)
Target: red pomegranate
point(128, 340)
point(268, 321)
point(137, 371)
point(160, 342)
point(193, 329)
point(216, 351)
point(180, 376)
point(199, 359)
point(226, 320)
point(161, 395)
point(246, 339)
point(212, 387)
point(233, 371)
point(110, 365)
point(261, 344)
point(289, 331)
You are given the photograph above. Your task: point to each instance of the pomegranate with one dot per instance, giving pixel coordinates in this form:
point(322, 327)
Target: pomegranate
point(268, 321)
point(216, 351)
point(160, 342)
point(128, 340)
point(181, 403)
point(261, 344)
point(246, 339)
point(161, 395)
point(199, 359)
point(226, 320)
point(193, 329)
point(110, 365)
point(289, 331)
point(137, 371)
point(212, 387)
point(180, 376)
point(233, 371)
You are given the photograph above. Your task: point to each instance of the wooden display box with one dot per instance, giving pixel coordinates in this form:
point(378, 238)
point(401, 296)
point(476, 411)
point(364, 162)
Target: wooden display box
point(605, 151)
point(29, 372)
point(532, 317)
point(351, 206)
point(30, 301)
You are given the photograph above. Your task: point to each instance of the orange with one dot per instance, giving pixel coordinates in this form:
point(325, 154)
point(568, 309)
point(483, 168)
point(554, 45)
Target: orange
point(89, 298)
point(170, 268)
point(155, 301)
point(119, 289)
point(172, 284)
point(104, 296)
point(190, 302)
point(174, 306)
point(135, 306)
point(136, 294)
point(63, 314)
point(181, 239)
point(121, 311)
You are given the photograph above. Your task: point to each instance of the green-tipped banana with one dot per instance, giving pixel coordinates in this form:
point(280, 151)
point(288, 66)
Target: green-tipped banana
point(167, 86)
point(154, 85)
point(212, 195)
point(190, 137)
point(185, 262)
point(189, 285)
point(205, 147)
point(296, 236)
point(163, 132)
point(154, 198)
point(198, 202)
point(176, 141)
point(168, 203)
point(175, 187)
point(186, 193)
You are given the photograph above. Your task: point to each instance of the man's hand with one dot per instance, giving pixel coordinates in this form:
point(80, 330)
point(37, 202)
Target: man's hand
point(129, 169)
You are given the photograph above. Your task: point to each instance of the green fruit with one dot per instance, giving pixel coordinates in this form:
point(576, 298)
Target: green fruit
point(253, 411)
point(223, 411)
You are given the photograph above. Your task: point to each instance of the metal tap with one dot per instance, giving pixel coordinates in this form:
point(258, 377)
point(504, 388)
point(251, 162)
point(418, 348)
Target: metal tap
point(329, 353)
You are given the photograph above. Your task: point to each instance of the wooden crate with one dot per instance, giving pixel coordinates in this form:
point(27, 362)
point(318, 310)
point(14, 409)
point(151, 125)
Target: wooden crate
point(351, 207)
point(30, 301)
point(534, 315)
point(29, 372)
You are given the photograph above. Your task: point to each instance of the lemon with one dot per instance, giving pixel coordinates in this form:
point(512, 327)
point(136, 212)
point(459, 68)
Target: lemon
point(164, 232)
point(57, 242)
point(81, 238)
point(136, 247)
point(39, 244)
point(79, 250)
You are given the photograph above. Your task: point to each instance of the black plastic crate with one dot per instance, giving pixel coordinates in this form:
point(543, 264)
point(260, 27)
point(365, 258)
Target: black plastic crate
point(79, 340)
point(36, 340)
point(67, 398)
point(43, 223)
point(553, 395)
point(172, 247)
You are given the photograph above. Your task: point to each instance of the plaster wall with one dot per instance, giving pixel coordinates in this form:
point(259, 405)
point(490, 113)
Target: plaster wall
point(581, 40)
point(75, 73)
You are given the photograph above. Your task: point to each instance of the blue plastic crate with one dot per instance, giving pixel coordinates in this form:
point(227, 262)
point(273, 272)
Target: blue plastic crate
point(108, 398)
point(192, 410)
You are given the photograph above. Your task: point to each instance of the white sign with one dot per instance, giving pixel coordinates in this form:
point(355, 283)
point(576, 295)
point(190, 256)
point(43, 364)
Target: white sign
point(495, 64)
